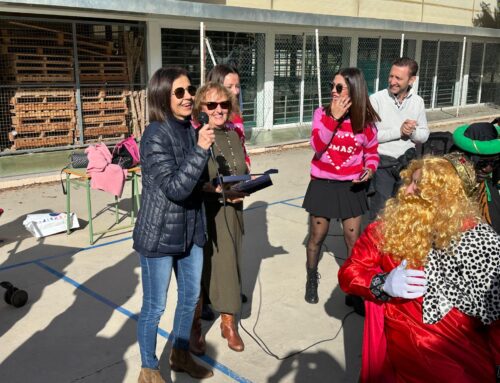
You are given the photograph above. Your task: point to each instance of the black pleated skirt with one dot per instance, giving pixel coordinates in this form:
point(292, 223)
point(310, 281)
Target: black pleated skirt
point(335, 199)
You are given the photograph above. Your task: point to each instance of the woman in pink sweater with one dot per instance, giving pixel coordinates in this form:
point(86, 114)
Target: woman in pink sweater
point(344, 140)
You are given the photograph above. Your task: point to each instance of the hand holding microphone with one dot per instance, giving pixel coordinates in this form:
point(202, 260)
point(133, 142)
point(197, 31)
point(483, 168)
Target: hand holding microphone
point(206, 135)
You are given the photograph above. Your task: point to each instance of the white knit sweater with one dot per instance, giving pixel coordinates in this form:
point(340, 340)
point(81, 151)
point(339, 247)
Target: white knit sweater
point(389, 129)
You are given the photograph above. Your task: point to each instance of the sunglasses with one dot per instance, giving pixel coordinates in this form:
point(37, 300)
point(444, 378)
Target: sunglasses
point(338, 87)
point(213, 105)
point(180, 92)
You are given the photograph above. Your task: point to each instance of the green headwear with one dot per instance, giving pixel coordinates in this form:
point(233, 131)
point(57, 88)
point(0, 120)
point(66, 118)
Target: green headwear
point(480, 138)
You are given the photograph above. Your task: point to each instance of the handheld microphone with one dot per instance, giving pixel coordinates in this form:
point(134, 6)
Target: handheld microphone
point(203, 120)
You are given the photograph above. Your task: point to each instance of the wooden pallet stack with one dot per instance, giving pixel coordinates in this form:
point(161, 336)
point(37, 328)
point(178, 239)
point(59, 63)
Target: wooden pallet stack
point(35, 54)
point(32, 53)
point(105, 113)
point(107, 69)
point(42, 118)
point(137, 101)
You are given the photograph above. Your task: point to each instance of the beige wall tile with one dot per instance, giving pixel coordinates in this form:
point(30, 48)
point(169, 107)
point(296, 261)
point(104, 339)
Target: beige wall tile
point(450, 12)
point(260, 4)
point(390, 9)
point(449, 16)
point(327, 7)
point(465, 4)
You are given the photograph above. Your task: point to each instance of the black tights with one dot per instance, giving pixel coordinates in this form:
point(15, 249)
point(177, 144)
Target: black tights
point(318, 229)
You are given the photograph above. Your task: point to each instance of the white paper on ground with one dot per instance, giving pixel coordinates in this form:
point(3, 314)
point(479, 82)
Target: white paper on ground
point(41, 225)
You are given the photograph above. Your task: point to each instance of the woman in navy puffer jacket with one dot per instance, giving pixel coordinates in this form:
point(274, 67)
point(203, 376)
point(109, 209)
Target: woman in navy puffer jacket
point(170, 229)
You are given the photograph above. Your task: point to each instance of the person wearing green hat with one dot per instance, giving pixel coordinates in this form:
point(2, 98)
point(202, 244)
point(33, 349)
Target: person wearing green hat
point(480, 142)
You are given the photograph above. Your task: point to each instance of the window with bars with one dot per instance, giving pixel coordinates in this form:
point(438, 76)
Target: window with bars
point(245, 51)
point(367, 61)
point(181, 47)
point(491, 74)
point(241, 50)
point(427, 71)
point(335, 54)
point(288, 65)
point(474, 80)
point(448, 73)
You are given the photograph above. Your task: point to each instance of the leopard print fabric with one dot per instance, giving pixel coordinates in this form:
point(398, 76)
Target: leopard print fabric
point(465, 276)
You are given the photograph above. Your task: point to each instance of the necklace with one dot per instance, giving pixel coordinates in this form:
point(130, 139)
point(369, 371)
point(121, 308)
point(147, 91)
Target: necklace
point(234, 168)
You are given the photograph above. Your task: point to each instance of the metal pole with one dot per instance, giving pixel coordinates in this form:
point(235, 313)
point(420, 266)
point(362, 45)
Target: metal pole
point(302, 75)
point(418, 55)
point(461, 76)
point(434, 80)
point(379, 55)
point(79, 114)
point(202, 53)
point(318, 67)
point(481, 77)
point(210, 52)
point(401, 50)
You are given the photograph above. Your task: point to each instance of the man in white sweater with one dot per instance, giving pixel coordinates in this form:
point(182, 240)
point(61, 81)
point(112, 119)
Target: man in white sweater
point(403, 124)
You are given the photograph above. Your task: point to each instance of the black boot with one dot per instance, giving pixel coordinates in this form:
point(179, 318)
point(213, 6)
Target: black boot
point(312, 285)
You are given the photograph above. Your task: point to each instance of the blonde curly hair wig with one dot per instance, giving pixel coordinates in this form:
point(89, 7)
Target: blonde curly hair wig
point(432, 217)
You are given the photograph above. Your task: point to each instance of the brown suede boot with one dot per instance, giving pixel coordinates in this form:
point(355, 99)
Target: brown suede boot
point(149, 375)
point(230, 332)
point(182, 361)
point(197, 344)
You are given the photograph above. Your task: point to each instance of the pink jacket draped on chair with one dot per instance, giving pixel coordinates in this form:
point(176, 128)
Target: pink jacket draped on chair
point(105, 175)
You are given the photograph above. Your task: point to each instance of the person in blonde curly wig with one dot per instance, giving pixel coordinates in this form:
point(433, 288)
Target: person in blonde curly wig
point(435, 214)
point(438, 319)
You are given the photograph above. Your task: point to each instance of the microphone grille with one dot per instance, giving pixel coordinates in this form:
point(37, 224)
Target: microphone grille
point(203, 118)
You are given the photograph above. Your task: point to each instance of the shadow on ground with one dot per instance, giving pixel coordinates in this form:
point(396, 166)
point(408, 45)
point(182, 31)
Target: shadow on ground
point(77, 340)
point(18, 266)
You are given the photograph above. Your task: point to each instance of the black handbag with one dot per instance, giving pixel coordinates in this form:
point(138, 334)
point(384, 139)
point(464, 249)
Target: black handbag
point(126, 153)
point(123, 158)
point(78, 160)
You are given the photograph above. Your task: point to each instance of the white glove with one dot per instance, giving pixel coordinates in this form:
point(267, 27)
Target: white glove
point(403, 283)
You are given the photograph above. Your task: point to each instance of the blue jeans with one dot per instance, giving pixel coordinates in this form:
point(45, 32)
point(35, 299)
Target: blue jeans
point(156, 274)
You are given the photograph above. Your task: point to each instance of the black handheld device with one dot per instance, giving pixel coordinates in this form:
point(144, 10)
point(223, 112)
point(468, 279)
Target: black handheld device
point(364, 174)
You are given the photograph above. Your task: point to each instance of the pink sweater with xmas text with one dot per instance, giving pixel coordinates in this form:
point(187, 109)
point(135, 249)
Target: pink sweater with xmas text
point(345, 156)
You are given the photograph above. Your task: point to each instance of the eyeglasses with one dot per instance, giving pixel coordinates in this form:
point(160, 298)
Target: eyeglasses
point(213, 105)
point(180, 92)
point(338, 87)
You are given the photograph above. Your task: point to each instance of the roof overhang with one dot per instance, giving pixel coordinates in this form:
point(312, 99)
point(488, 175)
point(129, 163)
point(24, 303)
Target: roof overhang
point(212, 12)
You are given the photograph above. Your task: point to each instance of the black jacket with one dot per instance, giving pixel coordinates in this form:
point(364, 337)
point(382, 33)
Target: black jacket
point(170, 176)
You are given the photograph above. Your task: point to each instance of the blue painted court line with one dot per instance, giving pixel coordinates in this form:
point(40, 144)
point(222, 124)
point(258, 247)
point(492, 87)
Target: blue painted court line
point(163, 333)
point(105, 244)
point(291, 204)
point(79, 250)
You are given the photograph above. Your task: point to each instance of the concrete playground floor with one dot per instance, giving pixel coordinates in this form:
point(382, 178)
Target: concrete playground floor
point(79, 324)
